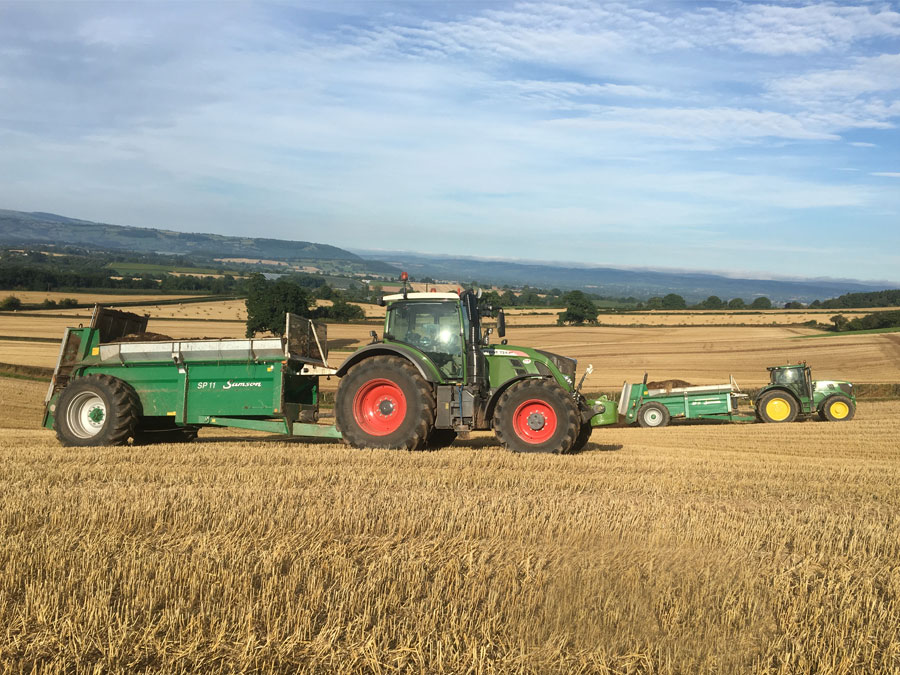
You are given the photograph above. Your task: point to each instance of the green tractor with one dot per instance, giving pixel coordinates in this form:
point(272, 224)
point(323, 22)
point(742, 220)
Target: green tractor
point(791, 392)
point(434, 373)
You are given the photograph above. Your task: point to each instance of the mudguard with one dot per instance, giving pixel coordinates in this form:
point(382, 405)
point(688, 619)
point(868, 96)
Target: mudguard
point(423, 365)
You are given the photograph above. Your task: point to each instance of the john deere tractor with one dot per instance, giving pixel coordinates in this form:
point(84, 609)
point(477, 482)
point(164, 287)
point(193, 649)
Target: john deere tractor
point(791, 392)
point(434, 373)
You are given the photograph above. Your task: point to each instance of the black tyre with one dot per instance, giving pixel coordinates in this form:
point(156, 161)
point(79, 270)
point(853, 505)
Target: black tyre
point(536, 416)
point(653, 414)
point(584, 435)
point(163, 430)
point(383, 402)
point(776, 407)
point(838, 409)
point(96, 410)
point(440, 438)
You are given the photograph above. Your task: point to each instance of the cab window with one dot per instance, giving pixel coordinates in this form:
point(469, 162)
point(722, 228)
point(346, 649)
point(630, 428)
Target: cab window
point(433, 328)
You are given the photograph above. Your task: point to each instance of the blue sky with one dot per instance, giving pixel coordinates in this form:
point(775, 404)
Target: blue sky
point(736, 137)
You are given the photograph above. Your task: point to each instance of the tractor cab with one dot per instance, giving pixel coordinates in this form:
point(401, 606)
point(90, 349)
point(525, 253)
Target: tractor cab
point(432, 323)
point(797, 378)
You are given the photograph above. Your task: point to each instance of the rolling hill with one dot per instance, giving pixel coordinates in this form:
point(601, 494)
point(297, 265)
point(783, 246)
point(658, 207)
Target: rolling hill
point(19, 228)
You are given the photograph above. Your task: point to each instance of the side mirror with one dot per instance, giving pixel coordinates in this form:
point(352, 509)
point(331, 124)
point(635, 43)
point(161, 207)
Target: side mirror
point(501, 323)
point(374, 336)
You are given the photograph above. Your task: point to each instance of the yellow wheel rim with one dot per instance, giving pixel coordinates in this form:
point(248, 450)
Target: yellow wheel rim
point(839, 410)
point(778, 409)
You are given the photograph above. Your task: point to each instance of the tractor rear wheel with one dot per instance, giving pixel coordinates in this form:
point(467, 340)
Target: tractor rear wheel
point(838, 409)
point(383, 402)
point(776, 407)
point(653, 414)
point(536, 416)
point(96, 410)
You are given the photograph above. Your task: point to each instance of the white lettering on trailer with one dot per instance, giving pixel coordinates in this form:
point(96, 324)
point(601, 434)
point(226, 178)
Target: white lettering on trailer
point(231, 384)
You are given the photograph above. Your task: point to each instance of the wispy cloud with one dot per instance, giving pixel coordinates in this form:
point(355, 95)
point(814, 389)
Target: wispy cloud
point(633, 128)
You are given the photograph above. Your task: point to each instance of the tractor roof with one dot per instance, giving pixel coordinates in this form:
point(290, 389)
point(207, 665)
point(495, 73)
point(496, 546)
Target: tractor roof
point(421, 296)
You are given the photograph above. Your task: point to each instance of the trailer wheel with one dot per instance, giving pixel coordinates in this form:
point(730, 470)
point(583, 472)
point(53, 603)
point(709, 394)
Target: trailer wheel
point(653, 414)
point(776, 407)
point(838, 409)
point(536, 416)
point(96, 410)
point(383, 402)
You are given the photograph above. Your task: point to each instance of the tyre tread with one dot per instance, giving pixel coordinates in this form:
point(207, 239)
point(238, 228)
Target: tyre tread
point(534, 387)
point(354, 436)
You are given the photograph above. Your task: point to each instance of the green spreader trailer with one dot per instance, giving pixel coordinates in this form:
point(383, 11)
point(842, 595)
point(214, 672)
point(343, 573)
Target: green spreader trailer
point(106, 388)
point(791, 393)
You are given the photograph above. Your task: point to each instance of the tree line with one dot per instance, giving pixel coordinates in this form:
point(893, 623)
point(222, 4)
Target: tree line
point(872, 321)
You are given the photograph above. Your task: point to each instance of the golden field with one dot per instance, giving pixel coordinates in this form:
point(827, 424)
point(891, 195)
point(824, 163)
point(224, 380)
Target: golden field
point(691, 549)
point(699, 354)
point(31, 297)
point(688, 317)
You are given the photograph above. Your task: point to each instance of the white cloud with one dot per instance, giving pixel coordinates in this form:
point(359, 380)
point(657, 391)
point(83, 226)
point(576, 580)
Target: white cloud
point(886, 174)
point(867, 75)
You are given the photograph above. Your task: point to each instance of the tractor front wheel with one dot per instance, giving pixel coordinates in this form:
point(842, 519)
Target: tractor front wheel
point(383, 402)
point(776, 407)
point(536, 416)
point(96, 410)
point(653, 414)
point(838, 409)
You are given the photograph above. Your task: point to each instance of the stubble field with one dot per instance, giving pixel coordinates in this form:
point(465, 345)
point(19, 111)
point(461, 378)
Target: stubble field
point(699, 548)
point(695, 548)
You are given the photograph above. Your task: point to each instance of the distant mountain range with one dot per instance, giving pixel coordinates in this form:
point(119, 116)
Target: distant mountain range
point(641, 284)
point(19, 228)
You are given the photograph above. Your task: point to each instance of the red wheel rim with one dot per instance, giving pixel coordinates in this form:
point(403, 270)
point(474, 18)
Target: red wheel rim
point(534, 421)
point(379, 407)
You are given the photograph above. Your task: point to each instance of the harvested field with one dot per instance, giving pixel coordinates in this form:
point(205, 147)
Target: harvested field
point(697, 354)
point(547, 317)
point(31, 297)
point(29, 353)
point(699, 548)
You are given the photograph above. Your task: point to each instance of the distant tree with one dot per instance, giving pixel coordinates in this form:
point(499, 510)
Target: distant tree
point(654, 303)
point(815, 304)
point(579, 309)
point(325, 292)
point(48, 303)
point(68, 302)
point(269, 301)
point(736, 303)
point(340, 311)
point(712, 302)
point(840, 322)
point(673, 301)
point(529, 297)
point(10, 304)
point(761, 302)
point(508, 299)
point(793, 304)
